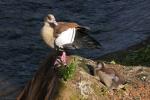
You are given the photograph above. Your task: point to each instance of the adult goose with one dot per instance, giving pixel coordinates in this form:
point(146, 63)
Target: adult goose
point(64, 35)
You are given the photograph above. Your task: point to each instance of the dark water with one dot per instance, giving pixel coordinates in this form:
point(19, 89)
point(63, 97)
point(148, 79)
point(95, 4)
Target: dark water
point(116, 24)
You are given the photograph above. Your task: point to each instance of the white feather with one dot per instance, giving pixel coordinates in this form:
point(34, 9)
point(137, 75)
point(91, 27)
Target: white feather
point(66, 37)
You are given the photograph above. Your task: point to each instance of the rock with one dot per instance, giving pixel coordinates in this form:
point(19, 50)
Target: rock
point(43, 84)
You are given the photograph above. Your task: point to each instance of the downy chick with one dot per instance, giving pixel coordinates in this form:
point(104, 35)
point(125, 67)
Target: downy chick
point(109, 76)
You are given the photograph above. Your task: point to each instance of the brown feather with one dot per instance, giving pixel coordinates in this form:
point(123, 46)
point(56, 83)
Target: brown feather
point(63, 26)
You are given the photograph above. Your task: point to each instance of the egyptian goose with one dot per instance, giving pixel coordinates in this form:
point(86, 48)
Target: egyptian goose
point(59, 35)
point(109, 76)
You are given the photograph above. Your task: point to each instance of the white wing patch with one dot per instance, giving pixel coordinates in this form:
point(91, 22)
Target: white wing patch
point(66, 37)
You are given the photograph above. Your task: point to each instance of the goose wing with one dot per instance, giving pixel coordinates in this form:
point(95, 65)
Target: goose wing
point(75, 37)
point(83, 41)
point(66, 37)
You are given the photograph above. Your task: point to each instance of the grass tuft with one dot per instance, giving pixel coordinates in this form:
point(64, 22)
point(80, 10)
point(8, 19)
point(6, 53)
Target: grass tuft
point(67, 72)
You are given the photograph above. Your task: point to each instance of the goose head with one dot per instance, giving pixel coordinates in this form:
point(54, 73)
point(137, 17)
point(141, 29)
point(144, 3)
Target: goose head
point(100, 66)
point(51, 20)
point(47, 31)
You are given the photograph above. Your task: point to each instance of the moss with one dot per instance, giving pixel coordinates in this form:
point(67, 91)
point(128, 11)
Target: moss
point(75, 96)
point(120, 92)
point(59, 89)
point(65, 91)
point(96, 90)
point(104, 91)
point(99, 91)
point(84, 66)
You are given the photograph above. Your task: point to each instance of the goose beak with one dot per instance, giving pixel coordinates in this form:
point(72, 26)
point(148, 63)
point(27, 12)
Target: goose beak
point(55, 23)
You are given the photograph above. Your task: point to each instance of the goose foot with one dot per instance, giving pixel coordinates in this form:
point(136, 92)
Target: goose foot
point(61, 60)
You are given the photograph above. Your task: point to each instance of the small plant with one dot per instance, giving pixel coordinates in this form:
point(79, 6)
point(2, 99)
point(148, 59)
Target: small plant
point(66, 72)
point(113, 62)
point(140, 56)
point(104, 90)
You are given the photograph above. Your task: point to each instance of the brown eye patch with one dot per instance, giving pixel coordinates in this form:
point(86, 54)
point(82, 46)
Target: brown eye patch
point(49, 17)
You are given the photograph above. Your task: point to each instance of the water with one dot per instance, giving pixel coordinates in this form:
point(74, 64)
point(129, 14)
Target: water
point(116, 24)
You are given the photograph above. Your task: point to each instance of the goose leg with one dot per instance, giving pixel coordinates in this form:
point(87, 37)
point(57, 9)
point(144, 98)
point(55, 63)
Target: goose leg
point(63, 58)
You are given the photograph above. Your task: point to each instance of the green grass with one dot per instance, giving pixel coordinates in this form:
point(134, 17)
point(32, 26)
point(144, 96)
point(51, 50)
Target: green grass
point(67, 72)
point(140, 56)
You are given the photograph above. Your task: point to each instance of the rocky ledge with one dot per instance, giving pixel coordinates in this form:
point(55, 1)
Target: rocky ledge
point(84, 84)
